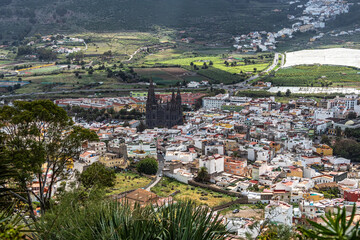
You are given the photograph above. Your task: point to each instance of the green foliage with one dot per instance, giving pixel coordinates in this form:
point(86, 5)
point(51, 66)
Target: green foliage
point(12, 226)
point(270, 231)
point(325, 140)
point(39, 137)
point(103, 219)
point(97, 175)
point(203, 175)
point(148, 166)
point(316, 76)
point(336, 227)
point(331, 193)
point(141, 127)
point(347, 148)
point(32, 16)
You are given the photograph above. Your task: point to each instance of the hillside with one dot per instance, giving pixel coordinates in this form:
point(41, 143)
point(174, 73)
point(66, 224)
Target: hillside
point(19, 18)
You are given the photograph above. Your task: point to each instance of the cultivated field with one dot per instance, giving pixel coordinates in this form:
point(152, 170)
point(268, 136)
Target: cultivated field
point(317, 76)
point(169, 76)
point(218, 63)
point(333, 56)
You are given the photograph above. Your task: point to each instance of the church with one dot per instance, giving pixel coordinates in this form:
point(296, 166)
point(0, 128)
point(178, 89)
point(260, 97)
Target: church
point(163, 114)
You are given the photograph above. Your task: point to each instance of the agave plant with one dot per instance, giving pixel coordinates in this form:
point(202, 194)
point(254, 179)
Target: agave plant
point(114, 221)
point(336, 227)
point(11, 226)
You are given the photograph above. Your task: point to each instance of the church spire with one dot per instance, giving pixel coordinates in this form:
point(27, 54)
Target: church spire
point(178, 97)
point(151, 99)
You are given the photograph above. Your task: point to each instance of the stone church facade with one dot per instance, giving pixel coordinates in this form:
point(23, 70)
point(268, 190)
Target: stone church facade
point(163, 114)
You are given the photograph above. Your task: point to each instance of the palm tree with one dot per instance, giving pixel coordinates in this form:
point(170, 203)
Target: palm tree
point(203, 174)
point(336, 227)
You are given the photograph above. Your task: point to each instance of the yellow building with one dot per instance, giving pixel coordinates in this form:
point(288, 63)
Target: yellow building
point(324, 150)
point(313, 196)
point(275, 146)
point(295, 172)
point(111, 160)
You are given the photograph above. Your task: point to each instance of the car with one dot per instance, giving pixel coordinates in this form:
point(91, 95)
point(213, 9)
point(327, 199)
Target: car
point(236, 211)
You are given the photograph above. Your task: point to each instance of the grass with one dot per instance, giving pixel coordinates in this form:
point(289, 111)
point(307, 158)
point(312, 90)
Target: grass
point(168, 186)
point(217, 61)
point(169, 76)
point(42, 70)
point(218, 72)
point(317, 76)
point(128, 181)
point(68, 81)
point(121, 44)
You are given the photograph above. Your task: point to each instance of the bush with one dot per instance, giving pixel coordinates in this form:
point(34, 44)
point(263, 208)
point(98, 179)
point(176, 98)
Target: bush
point(147, 166)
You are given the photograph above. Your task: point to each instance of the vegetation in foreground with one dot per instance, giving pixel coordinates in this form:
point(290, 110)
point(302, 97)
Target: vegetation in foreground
point(111, 220)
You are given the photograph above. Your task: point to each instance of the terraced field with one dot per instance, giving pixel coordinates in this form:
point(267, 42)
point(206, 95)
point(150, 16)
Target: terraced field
point(317, 76)
point(169, 76)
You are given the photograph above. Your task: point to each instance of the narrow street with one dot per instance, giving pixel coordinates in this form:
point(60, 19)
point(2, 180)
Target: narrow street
point(159, 173)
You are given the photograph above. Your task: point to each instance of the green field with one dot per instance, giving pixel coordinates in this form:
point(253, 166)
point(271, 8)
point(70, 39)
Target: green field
point(42, 70)
point(168, 186)
point(121, 44)
point(218, 72)
point(128, 181)
point(169, 76)
point(316, 75)
point(68, 81)
point(218, 63)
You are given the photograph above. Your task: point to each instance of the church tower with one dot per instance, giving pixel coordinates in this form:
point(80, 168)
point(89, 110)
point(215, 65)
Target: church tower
point(160, 114)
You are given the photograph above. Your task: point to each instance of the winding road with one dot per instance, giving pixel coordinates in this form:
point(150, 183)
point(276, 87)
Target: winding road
point(159, 172)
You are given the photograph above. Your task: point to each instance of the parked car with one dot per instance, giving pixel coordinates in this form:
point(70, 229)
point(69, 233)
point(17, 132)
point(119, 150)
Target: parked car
point(236, 211)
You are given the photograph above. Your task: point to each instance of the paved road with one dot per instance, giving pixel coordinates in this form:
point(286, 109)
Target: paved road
point(159, 173)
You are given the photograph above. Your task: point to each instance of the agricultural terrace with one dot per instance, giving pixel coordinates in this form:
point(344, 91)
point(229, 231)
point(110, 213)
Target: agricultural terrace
point(128, 181)
point(168, 186)
point(317, 76)
point(219, 69)
point(235, 65)
point(69, 81)
point(169, 76)
point(332, 56)
point(122, 45)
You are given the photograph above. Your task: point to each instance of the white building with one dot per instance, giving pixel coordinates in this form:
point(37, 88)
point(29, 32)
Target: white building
point(213, 164)
point(280, 212)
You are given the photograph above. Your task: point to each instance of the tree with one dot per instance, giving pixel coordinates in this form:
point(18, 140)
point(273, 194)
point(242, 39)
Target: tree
point(255, 70)
point(38, 140)
point(347, 148)
point(351, 115)
point(202, 175)
point(141, 127)
point(148, 166)
point(97, 175)
point(288, 93)
point(279, 94)
point(337, 226)
point(325, 140)
point(46, 54)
